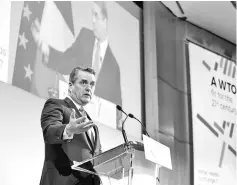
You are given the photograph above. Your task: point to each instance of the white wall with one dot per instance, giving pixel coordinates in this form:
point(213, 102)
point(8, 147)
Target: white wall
point(21, 139)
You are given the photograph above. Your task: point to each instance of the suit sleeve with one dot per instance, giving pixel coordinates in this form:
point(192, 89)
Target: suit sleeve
point(52, 122)
point(64, 62)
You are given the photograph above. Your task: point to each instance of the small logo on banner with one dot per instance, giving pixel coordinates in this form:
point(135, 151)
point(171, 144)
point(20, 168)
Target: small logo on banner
point(227, 67)
point(217, 131)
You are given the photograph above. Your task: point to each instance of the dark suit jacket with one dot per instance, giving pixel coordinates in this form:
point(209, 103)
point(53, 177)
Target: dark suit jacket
point(60, 153)
point(80, 54)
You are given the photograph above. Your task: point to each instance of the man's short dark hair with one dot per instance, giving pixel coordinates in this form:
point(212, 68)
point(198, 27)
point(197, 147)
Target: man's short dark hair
point(73, 74)
point(103, 7)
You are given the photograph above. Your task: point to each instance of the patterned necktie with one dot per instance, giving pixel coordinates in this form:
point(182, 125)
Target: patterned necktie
point(91, 130)
point(97, 59)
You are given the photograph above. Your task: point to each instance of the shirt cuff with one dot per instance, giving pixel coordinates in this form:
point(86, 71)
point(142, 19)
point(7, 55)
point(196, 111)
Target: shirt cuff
point(66, 136)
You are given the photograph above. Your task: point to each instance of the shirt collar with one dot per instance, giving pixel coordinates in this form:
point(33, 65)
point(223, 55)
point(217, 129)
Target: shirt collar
point(76, 104)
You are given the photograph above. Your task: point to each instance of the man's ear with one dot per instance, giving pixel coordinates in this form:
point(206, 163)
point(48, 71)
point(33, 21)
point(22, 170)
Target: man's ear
point(70, 86)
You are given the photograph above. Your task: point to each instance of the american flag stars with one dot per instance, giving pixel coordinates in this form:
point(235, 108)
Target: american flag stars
point(24, 67)
point(27, 12)
point(23, 40)
point(28, 72)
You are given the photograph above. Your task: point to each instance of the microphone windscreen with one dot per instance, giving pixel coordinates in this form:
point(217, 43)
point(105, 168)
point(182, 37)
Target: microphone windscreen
point(130, 115)
point(119, 107)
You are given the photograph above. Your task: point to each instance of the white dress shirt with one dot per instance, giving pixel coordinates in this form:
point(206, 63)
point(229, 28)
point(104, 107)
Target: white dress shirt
point(103, 48)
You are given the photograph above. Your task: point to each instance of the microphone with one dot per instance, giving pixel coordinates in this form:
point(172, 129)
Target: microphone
point(123, 131)
point(132, 116)
point(120, 109)
point(143, 127)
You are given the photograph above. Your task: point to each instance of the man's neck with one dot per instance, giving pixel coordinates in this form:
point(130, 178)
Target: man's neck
point(102, 40)
point(78, 105)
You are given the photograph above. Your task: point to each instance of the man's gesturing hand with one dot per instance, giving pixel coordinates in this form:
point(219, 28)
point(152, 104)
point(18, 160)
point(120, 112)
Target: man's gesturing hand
point(78, 125)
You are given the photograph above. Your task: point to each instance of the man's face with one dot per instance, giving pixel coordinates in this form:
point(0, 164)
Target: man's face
point(99, 23)
point(83, 88)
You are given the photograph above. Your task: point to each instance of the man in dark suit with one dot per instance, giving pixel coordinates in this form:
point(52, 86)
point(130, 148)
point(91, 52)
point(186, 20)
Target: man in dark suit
point(69, 133)
point(92, 49)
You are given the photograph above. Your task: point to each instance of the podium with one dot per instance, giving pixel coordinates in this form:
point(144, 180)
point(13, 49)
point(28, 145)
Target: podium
point(125, 164)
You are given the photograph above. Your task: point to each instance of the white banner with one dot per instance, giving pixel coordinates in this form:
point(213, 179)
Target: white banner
point(213, 92)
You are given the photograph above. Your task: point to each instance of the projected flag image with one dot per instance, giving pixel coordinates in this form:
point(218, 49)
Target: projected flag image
point(55, 37)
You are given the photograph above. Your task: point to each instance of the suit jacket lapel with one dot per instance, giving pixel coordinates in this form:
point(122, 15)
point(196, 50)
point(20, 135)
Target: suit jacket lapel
point(78, 114)
point(96, 138)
